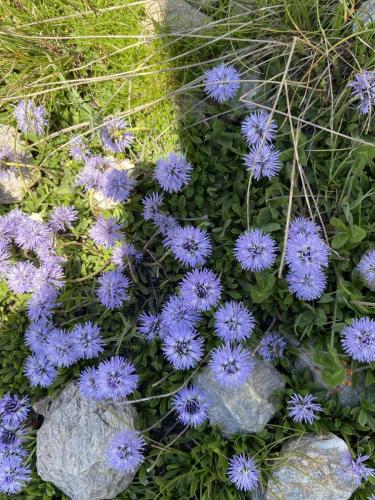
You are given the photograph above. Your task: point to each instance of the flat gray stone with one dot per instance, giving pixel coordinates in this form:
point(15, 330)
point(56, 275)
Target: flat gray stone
point(175, 15)
point(72, 442)
point(311, 468)
point(244, 409)
point(17, 179)
point(365, 14)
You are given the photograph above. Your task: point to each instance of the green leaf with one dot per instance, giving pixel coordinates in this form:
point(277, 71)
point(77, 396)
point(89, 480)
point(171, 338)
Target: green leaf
point(339, 240)
point(357, 234)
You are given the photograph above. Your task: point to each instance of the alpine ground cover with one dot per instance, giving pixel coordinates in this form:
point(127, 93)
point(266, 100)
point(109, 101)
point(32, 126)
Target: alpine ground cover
point(303, 55)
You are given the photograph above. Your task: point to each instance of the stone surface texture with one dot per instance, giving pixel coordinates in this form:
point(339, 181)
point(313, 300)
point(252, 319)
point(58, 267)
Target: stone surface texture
point(15, 180)
point(245, 409)
point(311, 468)
point(175, 15)
point(365, 14)
point(72, 442)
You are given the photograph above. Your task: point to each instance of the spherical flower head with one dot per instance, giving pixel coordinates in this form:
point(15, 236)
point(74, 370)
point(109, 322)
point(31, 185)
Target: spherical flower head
point(243, 472)
point(303, 227)
point(173, 172)
point(115, 135)
point(183, 348)
point(303, 408)
point(37, 334)
point(13, 474)
point(50, 273)
point(256, 129)
point(78, 149)
point(14, 410)
point(222, 82)
point(363, 87)
point(5, 264)
point(263, 160)
point(307, 285)
point(42, 303)
point(61, 349)
point(272, 347)
point(21, 277)
point(304, 253)
point(6, 232)
point(191, 406)
point(234, 322)
point(117, 378)
point(176, 314)
point(88, 384)
point(32, 234)
point(30, 118)
point(62, 218)
point(255, 250)
point(117, 185)
point(201, 289)
point(167, 225)
point(150, 325)
point(358, 340)
point(190, 245)
point(355, 468)
point(91, 175)
point(112, 289)
point(105, 232)
point(366, 268)
point(11, 440)
point(125, 452)
point(231, 366)
point(124, 254)
point(40, 371)
point(151, 205)
point(87, 340)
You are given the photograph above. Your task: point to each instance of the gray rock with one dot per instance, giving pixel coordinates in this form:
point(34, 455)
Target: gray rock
point(311, 468)
point(175, 15)
point(72, 442)
point(245, 409)
point(17, 179)
point(365, 15)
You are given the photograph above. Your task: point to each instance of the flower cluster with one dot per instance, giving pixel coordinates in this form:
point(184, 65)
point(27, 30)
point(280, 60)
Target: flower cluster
point(363, 87)
point(366, 268)
point(191, 406)
point(358, 339)
point(272, 347)
point(355, 468)
point(255, 250)
point(14, 472)
point(307, 256)
point(222, 82)
point(30, 117)
point(303, 408)
point(125, 451)
point(243, 472)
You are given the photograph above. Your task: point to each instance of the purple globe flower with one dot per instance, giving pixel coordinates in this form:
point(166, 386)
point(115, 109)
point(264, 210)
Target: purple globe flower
point(117, 378)
point(151, 205)
point(40, 371)
point(87, 340)
point(14, 410)
point(32, 234)
point(125, 451)
point(231, 366)
point(355, 468)
point(61, 348)
point(183, 348)
point(234, 322)
point(117, 185)
point(5, 264)
point(255, 250)
point(166, 224)
point(42, 303)
point(366, 268)
point(177, 315)
point(21, 277)
point(190, 245)
point(255, 128)
point(13, 474)
point(105, 232)
point(263, 161)
point(150, 325)
point(112, 289)
point(11, 440)
point(36, 336)
point(91, 175)
point(50, 273)
point(358, 340)
point(115, 135)
point(6, 232)
point(78, 149)
point(272, 347)
point(62, 218)
point(307, 285)
point(123, 254)
point(30, 118)
point(173, 172)
point(201, 289)
point(222, 82)
point(88, 384)
point(303, 408)
point(243, 472)
point(306, 253)
point(363, 87)
point(303, 227)
point(191, 406)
